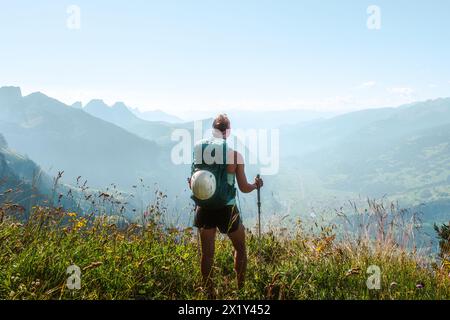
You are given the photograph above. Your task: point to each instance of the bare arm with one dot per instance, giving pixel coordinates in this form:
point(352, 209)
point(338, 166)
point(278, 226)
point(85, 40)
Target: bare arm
point(241, 178)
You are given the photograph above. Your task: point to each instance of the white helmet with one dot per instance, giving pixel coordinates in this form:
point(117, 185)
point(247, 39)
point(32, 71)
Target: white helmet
point(203, 184)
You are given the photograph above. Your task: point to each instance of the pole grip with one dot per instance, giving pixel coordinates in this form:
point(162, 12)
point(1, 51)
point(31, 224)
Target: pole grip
point(259, 207)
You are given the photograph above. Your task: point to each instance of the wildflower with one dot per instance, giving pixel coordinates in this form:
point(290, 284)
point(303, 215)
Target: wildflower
point(319, 248)
point(36, 283)
point(120, 237)
point(80, 223)
point(72, 214)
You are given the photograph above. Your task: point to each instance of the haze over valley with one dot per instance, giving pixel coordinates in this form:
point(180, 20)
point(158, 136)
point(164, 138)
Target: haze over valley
point(400, 153)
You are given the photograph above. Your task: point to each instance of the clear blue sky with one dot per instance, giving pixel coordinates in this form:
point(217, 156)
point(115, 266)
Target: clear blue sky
point(177, 55)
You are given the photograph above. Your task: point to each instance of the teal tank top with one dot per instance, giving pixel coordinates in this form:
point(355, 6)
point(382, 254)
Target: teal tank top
point(230, 178)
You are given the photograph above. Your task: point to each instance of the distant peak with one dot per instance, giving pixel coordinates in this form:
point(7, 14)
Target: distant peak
point(16, 90)
point(10, 93)
point(40, 97)
point(77, 105)
point(37, 94)
point(96, 103)
point(120, 105)
point(122, 109)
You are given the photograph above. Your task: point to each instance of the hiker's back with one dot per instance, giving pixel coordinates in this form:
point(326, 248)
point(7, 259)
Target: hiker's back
point(212, 156)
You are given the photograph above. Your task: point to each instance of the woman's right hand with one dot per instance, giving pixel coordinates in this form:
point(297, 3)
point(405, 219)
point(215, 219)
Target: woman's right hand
point(259, 183)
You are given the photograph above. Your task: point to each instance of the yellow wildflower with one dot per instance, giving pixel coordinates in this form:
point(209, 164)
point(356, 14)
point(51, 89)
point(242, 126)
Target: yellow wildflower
point(80, 223)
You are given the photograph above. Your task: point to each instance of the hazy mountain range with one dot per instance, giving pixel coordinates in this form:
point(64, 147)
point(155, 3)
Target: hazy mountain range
point(403, 152)
point(122, 116)
point(60, 137)
point(98, 148)
point(24, 183)
point(246, 119)
point(156, 115)
point(376, 152)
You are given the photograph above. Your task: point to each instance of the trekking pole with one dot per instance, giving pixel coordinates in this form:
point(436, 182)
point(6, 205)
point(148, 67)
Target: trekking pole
point(259, 207)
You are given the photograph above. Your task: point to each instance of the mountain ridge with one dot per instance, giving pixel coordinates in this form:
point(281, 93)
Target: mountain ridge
point(85, 139)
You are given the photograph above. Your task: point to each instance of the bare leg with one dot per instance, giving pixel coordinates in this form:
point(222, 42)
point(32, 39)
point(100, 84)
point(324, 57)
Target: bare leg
point(240, 254)
point(207, 237)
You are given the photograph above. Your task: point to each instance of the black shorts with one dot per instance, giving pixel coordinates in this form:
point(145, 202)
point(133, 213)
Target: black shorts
point(227, 220)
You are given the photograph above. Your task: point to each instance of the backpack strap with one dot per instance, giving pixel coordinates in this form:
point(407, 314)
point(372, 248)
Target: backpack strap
point(225, 152)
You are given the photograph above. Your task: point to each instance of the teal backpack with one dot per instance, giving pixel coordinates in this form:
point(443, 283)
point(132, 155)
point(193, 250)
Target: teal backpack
point(206, 154)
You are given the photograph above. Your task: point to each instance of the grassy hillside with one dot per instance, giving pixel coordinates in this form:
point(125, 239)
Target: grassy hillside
point(153, 262)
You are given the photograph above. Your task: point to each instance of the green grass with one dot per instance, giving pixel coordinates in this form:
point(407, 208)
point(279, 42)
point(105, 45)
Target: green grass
point(156, 263)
